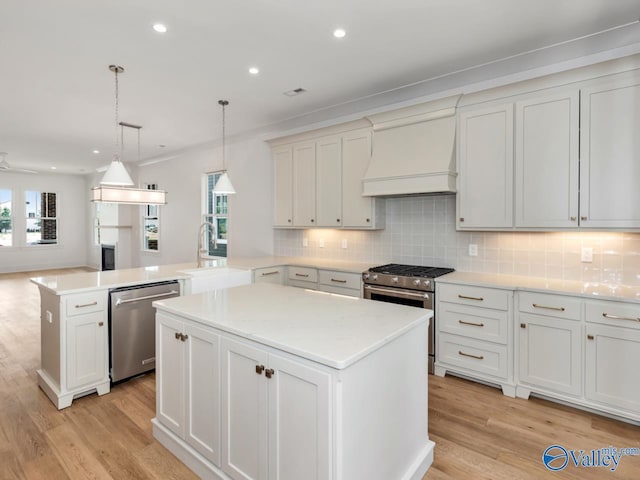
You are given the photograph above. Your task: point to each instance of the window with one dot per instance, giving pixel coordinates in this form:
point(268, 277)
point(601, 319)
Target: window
point(6, 220)
point(150, 224)
point(216, 212)
point(42, 222)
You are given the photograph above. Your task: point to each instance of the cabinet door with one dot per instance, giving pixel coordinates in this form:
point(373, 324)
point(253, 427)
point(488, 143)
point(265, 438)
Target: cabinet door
point(86, 349)
point(546, 165)
point(244, 411)
point(203, 392)
point(485, 168)
point(609, 150)
point(283, 187)
point(304, 185)
point(357, 211)
point(170, 375)
point(299, 421)
point(550, 353)
point(612, 359)
point(329, 182)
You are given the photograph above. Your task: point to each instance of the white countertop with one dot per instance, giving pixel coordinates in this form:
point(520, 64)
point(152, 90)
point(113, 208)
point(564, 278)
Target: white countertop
point(330, 329)
point(602, 291)
point(79, 282)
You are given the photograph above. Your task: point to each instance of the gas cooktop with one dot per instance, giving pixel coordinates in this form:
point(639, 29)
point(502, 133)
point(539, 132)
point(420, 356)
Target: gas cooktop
point(411, 270)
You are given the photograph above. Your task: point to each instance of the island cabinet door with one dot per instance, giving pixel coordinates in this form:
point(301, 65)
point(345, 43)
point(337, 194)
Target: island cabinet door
point(170, 378)
point(299, 421)
point(86, 349)
point(244, 411)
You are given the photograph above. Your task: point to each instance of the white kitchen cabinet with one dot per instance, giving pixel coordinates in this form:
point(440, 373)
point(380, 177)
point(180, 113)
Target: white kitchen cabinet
point(546, 161)
point(485, 168)
point(74, 345)
point(342, 283)
point(188, 384)
point(358, 211)
point(283, 186)
point(549, 355)
point(613, 356)
point(609, 151)
point(270, 275)
point(304, 184)
point(276, 416)
point(302, 277)
point(329, 182)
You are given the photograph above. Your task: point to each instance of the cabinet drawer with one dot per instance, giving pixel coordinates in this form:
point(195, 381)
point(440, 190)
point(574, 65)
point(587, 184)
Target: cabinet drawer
point(549, 305)
point(82, 303)
point(614, 313)
point(340, 279)
point(303, 273)
point(474, 355)
point(475, 296)
point(269, 275)
point(473, 322)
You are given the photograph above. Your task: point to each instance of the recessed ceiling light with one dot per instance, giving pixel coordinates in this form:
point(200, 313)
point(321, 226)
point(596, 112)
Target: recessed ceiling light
point(254, 70)
point(160, 28)
point(96, 152)
point(339, 33)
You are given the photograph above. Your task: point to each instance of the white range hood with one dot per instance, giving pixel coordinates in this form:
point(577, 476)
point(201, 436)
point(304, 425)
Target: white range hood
point(413, 150)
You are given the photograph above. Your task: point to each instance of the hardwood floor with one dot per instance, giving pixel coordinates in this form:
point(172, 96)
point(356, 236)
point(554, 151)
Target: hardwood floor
point(479, 433)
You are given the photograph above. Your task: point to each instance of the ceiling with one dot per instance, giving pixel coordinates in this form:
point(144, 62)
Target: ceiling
point(57, 94)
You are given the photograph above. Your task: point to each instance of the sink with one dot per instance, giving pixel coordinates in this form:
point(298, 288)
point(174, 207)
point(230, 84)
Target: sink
point(213, 278)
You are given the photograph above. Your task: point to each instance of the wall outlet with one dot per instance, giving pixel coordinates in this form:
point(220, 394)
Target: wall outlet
point(344, 243)
point(49, 317)
point(587, 255)
point(473, 250)
point(305, 242)
point(321, 243)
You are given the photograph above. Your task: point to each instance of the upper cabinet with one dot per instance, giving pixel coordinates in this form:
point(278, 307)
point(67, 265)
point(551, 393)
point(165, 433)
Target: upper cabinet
point(485, 163)
point(318, 183)
point(610, 153)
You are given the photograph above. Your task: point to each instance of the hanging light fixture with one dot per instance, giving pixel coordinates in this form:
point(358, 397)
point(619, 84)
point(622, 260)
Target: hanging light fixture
point(223, 186)
point(115, 185)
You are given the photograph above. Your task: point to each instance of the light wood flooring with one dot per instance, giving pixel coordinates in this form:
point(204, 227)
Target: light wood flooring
point(479, 433)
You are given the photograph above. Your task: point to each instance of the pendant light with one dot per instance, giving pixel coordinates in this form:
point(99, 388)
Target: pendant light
point(114, 186)
point(223, 186)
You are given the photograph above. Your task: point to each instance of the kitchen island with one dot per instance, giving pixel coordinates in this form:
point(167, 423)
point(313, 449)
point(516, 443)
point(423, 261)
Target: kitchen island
point(267, 381)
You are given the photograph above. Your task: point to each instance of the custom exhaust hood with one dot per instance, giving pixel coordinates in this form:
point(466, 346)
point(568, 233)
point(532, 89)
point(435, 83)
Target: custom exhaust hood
point(413, 150)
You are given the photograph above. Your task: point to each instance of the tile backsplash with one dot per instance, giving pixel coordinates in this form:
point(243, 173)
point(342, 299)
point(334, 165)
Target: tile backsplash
point(421, 231)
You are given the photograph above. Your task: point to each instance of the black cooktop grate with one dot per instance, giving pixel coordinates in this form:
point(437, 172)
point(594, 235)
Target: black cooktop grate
point(411, 270)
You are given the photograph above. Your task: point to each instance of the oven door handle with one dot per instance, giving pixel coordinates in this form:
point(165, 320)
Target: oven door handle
point(397, 293)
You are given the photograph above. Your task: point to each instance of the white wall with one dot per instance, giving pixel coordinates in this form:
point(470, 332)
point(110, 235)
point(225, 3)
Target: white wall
point(71, 250)
point(250, 209)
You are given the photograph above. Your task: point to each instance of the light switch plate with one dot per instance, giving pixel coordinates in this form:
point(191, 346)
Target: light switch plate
point(305, 242)
point(473, 250)
point(587, 255)
point(345, 244)
point(321, 243)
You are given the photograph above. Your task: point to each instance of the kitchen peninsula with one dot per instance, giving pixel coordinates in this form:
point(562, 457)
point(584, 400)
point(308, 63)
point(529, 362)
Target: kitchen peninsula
point(268, 381)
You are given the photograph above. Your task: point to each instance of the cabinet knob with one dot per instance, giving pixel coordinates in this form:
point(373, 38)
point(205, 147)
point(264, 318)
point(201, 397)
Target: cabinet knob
point(183, 337)
point(338, 220)
point(523, 325)
point(583, 218)
point(368, 220)
point(289, 220)
point(269, 372)
point(100, 324)
point(589, 337)
point(259, 369)
point(312, 220)
point(178, 334)
point(462, 219)
point(573, 219)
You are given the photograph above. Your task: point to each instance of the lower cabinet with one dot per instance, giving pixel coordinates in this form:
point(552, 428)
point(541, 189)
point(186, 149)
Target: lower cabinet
point(86, 349)
point(276, 416)
point(270, 275)
point(188, 384)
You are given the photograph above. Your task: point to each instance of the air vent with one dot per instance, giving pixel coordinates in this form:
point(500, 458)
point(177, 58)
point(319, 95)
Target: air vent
point(294, 92)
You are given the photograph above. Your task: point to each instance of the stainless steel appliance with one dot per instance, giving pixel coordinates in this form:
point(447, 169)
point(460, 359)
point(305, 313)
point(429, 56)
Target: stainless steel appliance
point(406, 285)
point(132, 327)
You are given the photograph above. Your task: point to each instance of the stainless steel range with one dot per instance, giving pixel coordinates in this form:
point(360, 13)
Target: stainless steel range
point(407, 285)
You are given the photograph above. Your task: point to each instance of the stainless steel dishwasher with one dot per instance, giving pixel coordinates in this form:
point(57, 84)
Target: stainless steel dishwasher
point(132, 327)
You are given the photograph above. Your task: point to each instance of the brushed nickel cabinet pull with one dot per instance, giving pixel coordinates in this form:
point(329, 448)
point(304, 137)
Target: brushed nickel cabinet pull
point(471, 323)
point(87, 305)
point(100, 324)
point(573, 219)
point(264, 274)
point(259, 369)
point(182, 337)
point(558, 309)
point(589, 337)
point(478, 357)
point(464, 297)
point(305, 275)
point(338, 281)
point(269, 372)
point(617, 317)
point(523, 325)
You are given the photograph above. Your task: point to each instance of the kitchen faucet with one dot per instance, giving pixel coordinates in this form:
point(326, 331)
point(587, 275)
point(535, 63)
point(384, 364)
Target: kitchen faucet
point(212, 231)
